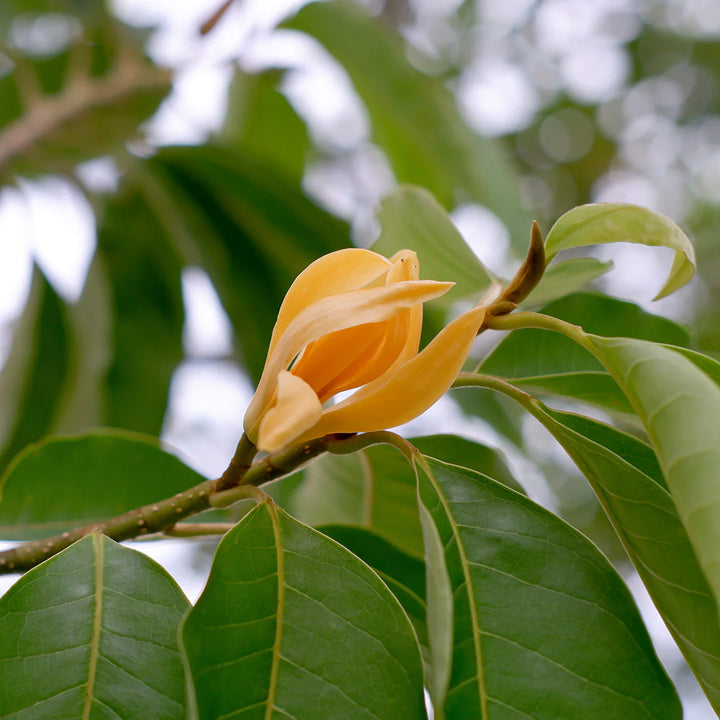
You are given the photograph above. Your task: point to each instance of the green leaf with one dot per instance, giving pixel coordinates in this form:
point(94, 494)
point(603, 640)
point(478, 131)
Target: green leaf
point(522, 593)
point(246, 224)
point(90, 323)
point(142, 272)
point(415, 118)
point(708, 365)
point(565, 278)
point(501, 414)
point(411, 218)
point(553, 364)
point(291, 624)
point(402, 573)
point(376, 488)
point(625, 474)
point(680, 408)
point(34, 376)
point(618, 222)
point(468, 454)
point(68, 482)
point(258, 114)
point(92, 633)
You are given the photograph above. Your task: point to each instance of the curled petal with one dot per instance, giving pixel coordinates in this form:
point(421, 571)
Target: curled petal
point(352, 357)
point(403, 394)
point(329, 315)
point(325, 362)
point(295, 409)
point(337, 272)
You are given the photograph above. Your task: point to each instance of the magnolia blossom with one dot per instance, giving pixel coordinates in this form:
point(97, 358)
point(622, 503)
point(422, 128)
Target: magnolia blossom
point(352, 319)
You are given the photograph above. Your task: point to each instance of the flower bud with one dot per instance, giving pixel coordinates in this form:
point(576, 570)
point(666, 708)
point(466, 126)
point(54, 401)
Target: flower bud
point(352, 321)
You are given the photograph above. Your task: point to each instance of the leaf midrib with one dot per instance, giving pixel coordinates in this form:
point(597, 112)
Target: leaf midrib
point(272, 688)
point(471, 598)
point(97, 539)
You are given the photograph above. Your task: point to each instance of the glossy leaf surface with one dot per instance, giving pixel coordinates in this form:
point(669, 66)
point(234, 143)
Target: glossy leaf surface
point(625, 474)
point(291, 624)
point(520, 592)
point(66, 482)
point(402, 573)
point(376, 488)
point(553, 364)
point(92, 633)
point(680, 408)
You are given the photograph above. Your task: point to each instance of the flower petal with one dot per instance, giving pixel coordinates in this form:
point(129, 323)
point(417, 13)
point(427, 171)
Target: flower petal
point(399, 396)
point(331, 314)
point(336, 272)
point(352, 357)
point(296, 408)
point(396, 344)
point(328, 358)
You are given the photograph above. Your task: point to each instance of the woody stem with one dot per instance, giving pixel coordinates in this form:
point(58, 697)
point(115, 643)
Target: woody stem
point(164, 514)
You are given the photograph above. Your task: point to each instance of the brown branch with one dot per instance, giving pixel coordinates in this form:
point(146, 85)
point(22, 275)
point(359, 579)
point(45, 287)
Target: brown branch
point(159, 516)
point(47, 114)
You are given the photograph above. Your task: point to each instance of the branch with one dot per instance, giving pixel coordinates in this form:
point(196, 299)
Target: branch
point(47, 114)
point(160, 516)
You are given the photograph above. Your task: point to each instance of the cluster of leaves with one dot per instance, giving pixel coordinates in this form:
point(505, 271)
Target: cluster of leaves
point(369, 578)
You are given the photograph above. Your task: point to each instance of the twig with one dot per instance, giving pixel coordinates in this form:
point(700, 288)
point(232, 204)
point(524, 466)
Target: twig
point(156, 517)
point(47, 114)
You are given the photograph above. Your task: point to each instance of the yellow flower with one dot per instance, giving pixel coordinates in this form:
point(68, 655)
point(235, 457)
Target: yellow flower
point(352, 319)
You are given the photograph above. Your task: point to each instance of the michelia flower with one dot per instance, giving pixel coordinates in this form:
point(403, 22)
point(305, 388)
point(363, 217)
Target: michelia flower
point(352, 319)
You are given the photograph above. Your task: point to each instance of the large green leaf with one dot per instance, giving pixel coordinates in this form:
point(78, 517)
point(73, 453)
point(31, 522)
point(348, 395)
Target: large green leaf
point(526, 618)
point(34, 377)
point(625, 474)
point(68, 482)
point(92, 633)
point(680, 408)
point(619, 222)
point(402, 573)
point(142, 273)
point(708, 365)
point(376, 488)
point(415, 118)
point(291, 624)
point(373, 489)
point(246, 224)
point(411, 218)
point(556, 365)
